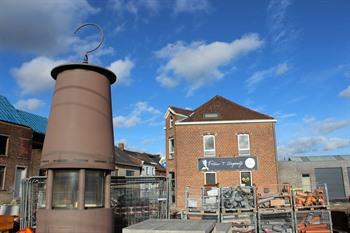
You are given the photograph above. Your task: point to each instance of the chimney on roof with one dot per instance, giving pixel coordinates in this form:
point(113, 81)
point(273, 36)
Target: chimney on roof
point(121, 145)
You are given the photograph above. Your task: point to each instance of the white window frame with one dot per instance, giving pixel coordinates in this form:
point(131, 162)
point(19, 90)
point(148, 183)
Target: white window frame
point(210, 150)
point(243, 149)
point(171, 152)
point(171, 122)
point(14, 183)
point(3, 178)
point(7, 144)
point(205, 178)
point(132, 171)
point(240, 177)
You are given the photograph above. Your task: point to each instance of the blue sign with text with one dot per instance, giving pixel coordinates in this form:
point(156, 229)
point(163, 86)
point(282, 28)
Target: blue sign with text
point(227, 163)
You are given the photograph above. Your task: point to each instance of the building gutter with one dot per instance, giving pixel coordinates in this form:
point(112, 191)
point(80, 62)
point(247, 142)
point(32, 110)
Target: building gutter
point(226, 122)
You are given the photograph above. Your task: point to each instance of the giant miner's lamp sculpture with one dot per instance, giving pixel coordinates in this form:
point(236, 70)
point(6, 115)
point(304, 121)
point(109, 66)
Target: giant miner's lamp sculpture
point(78, 151)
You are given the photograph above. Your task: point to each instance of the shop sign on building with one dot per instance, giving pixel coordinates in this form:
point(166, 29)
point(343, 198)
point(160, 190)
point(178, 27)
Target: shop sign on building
point(227, 163)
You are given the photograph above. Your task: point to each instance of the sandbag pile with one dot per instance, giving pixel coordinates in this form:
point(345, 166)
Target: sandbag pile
point(316, 198)
point(237, 198)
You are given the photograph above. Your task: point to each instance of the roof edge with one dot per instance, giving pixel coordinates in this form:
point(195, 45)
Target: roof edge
point(173, 112)
point(226, 122)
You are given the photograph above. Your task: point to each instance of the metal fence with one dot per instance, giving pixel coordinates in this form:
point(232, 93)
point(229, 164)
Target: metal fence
point(32, 198)
point(133, 199)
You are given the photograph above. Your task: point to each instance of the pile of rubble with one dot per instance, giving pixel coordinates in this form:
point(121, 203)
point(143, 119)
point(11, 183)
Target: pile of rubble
point(312, 223)
point(316, 198)
point(237, 198)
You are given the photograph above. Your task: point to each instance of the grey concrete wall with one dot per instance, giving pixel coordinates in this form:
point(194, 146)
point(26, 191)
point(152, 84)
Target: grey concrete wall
point(291, 171)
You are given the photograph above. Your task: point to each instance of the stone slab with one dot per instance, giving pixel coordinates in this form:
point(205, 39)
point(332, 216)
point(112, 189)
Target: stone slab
point(171, 225)
point(223, 228)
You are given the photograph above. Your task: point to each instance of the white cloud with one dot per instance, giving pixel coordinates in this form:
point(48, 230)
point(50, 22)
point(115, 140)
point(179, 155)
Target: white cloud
point(41, 27)
point(302, 145)
point(345, 92)
point(141, 111)
point(313, 137)
point(34, 76)
point(122, 68)
point(280, 29)
point(280, 115)
point(191, 6)
point(126, 122)
point(335, 143)
point(134, 7)
point(261, 75)
point(281, 69)
point(31, 104)
point(326, 126)
point(199, 63)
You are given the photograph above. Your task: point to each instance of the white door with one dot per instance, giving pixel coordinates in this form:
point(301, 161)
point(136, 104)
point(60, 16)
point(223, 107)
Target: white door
point(21, 173)
point(306, 182)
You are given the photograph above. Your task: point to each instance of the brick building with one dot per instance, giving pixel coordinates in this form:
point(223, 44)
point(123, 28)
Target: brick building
point(21, 141)
point(219, 129)
point(132, 163)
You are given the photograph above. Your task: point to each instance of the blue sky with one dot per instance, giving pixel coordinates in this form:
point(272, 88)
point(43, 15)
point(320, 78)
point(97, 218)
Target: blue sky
point(289, 59)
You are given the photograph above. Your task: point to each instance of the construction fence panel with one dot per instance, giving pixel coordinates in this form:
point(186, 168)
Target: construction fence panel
point(135, 199)
point(32, 198)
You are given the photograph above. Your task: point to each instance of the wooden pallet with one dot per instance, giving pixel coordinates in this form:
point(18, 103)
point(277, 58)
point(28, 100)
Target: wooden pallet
point(201, 211)
point(238, 211)
point(274, 210)
point(312, 208)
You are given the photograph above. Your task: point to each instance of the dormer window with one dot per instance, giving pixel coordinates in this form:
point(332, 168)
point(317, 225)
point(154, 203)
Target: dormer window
point(211, 115)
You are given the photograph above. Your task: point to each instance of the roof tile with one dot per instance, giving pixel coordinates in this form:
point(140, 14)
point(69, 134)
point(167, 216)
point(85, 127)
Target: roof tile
point(225, 110)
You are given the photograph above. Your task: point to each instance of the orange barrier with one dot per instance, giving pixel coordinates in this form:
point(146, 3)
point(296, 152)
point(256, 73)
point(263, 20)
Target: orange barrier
point(26, 230)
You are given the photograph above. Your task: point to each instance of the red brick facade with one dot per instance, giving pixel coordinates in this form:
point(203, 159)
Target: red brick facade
point(189, 147)
point(19, 154)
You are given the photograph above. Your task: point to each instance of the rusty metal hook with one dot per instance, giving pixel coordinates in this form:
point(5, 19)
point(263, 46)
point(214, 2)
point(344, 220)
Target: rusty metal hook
point(86, 58)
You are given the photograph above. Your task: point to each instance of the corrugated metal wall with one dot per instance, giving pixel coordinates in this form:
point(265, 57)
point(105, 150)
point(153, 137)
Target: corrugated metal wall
point(333, 177)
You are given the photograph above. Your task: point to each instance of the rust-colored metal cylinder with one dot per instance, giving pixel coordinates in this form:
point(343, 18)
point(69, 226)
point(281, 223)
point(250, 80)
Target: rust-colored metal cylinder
point(78, 152)
point(80, 129)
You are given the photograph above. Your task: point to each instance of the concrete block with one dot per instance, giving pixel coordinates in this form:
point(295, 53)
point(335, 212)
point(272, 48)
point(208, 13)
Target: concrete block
point(171, 225)
point(223, 228)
